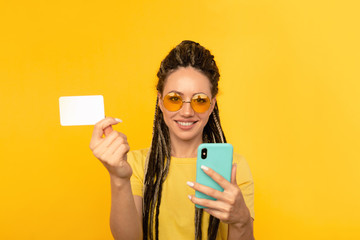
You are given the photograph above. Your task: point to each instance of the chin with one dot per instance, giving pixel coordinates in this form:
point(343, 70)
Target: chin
point(186, 136)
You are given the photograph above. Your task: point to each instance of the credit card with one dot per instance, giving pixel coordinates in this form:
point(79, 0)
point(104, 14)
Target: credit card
point(81, 110)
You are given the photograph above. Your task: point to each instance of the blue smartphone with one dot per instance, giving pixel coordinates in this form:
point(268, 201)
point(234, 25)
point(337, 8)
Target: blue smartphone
point(217, 156)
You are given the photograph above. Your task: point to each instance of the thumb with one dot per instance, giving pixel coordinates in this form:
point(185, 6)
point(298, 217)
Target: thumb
point(107, 130)
point(99, 128)
point(233, 173)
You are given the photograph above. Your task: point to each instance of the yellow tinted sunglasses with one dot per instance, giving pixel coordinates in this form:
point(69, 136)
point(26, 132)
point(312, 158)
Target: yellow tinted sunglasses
point(199, 102)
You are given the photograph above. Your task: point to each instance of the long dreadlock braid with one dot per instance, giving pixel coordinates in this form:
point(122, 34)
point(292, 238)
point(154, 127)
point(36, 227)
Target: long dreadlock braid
point(187, 53)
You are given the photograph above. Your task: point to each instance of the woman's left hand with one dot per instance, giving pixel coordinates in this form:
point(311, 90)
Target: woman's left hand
point(230, 206)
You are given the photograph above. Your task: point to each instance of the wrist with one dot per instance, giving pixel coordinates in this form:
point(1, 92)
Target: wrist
point(243, 224)
point(119, 182)
point(242, 230)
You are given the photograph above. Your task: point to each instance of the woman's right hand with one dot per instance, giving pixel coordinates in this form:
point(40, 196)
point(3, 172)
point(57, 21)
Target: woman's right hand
point(112, 149)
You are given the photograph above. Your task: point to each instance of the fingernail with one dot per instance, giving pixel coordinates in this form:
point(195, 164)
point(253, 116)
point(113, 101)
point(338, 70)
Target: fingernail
point(189, 197)
point(191, 184)
point(204, 168)
point(118, 120)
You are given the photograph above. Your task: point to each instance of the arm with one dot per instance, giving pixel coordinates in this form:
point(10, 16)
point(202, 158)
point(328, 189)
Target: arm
point(126, 209)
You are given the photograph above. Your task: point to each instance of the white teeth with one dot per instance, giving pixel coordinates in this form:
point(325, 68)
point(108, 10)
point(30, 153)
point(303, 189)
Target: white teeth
point(185, 123)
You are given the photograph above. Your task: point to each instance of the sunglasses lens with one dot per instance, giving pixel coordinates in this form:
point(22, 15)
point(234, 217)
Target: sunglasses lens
point(173, 102)
point(200, 103)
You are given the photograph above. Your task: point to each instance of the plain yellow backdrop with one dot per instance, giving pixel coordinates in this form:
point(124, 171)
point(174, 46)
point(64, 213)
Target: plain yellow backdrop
point(289, 102)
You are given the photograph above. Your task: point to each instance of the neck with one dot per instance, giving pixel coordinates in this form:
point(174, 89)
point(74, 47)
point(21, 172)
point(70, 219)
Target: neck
point(185, 148)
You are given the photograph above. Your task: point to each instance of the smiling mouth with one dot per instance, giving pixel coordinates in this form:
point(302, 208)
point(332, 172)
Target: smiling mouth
point(185, 124)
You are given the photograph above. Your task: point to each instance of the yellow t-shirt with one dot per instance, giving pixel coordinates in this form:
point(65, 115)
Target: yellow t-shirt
point(177, 212)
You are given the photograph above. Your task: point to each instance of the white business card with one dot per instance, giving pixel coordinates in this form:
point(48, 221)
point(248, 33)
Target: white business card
point(81, 110)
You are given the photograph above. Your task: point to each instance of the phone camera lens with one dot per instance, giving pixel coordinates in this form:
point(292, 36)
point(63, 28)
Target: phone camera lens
point(203, 153)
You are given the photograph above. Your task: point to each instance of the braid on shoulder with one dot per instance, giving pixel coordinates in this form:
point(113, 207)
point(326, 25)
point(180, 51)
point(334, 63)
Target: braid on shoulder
point(155, 175)
point(212, 133)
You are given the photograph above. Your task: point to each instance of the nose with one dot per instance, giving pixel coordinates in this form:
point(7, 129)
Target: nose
point(186, 110)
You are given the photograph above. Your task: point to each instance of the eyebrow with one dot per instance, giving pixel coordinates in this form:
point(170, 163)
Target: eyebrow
point(182, 94)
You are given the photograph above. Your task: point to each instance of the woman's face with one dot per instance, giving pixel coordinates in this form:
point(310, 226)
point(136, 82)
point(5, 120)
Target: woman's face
point(186, 82)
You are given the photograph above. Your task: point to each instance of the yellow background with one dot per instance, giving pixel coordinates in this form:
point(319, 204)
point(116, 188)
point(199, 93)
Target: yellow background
point(289, 102)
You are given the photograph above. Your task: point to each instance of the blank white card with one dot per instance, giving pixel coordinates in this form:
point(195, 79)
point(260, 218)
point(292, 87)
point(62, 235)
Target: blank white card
point(81, 110)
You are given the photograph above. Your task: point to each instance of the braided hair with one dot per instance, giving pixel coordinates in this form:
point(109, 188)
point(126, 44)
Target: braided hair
point(187, 53)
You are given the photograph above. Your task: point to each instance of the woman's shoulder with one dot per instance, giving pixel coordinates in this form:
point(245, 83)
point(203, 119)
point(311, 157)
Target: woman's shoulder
point(137, 156)
point(139, 152)
point(243, 168)
point(238, 158)
point(137, 160)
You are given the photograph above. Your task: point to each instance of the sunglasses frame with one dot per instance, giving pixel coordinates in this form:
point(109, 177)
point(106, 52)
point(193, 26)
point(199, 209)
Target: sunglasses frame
point(183, 101)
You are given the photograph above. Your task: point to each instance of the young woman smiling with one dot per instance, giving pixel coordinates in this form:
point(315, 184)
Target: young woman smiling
point(152, 190)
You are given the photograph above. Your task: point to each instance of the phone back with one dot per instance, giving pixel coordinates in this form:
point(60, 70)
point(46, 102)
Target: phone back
point(217, 156)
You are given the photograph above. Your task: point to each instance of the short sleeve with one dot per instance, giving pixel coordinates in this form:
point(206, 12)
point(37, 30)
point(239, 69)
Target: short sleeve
point(245, 182)
point(137, 159)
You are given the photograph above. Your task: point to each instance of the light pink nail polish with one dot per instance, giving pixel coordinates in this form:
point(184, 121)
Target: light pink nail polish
point(191, 184)
point(204, 168)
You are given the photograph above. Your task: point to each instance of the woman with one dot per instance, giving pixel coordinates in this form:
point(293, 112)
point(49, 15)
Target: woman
point(149, 197)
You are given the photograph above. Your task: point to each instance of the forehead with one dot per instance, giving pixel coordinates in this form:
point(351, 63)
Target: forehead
point(187, 81)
